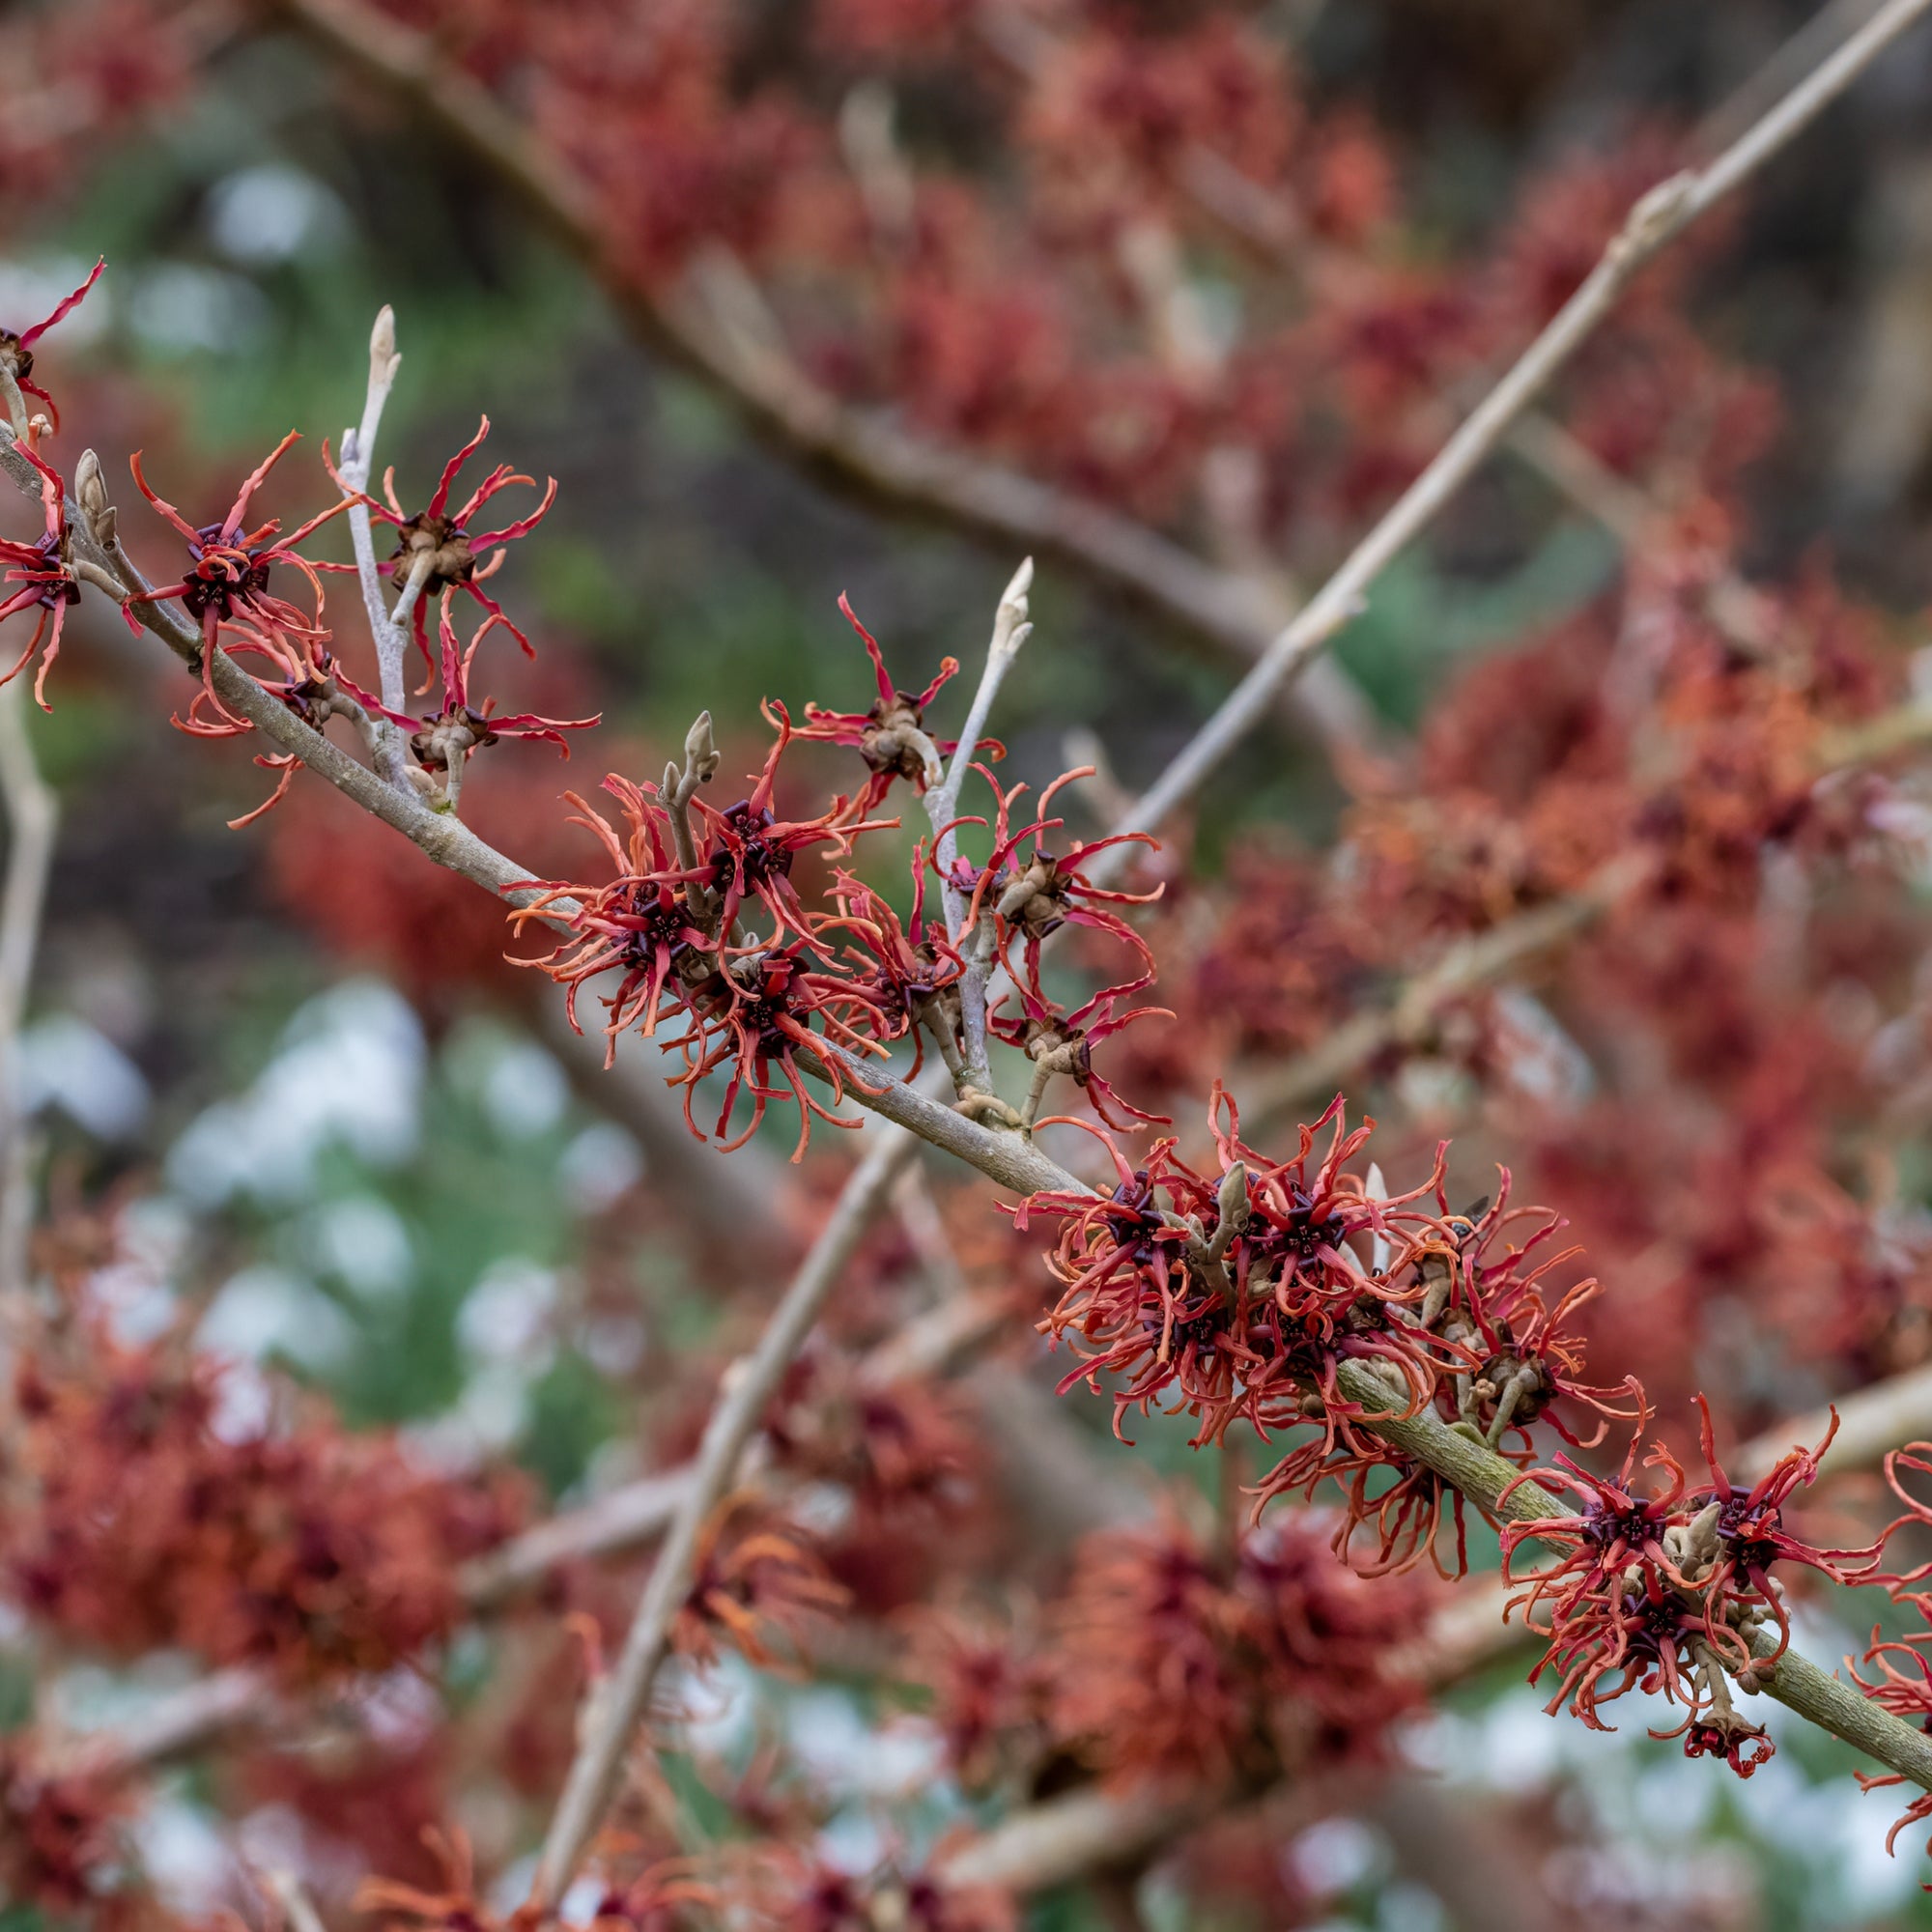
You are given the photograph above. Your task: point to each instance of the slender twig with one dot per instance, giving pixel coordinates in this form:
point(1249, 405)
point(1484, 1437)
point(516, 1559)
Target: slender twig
point(1737, 611)
point(1408, 1016)
point(297, 1905)
point(421, 569)
point(32, 819)
point(358, 462)
point(868, 456)
point(1872, 1421)
point(447, 840)
point(1793, 60)
point(1793, 1680)
point(1874, 738)
point(1478, 1472)
point(750, 1384)
point(1084, 1830)
point(1010, 630)
point(1410, 1013)
point(618, 1524)
point(403, 59)
point(925, 1229)
point(884, 463)
point(188, 1720)
point(1466, 1634)
point(625, 1519)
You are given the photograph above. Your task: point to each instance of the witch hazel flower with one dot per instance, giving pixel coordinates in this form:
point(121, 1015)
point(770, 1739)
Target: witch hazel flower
point(1031, 892)
point(436, 552)
point(1062, 1044)
point(45, 573)
point(1233, 1296)
point(757, 1021)
point(908, 968)
point(1670, 1589)
point(643, 924)
point(817, 991)
point(1640, 1632)
point(229, 565)
point(311, 685)
point(1739, 1532)
point(1484, 1296)
point(1902, 1684)
point(16, 358)
point(443, 742)
point(1615, 1526)
point(891, 736)
point(751, 851)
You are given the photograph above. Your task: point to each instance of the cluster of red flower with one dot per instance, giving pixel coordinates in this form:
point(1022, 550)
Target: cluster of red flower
point(1290, 1295)
point(138, 1525)
point(1168, 1657)
point(225, 590)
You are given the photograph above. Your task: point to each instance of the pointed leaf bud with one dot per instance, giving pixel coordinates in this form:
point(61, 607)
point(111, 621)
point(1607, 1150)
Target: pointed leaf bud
point(702, 756)
point(384, 360)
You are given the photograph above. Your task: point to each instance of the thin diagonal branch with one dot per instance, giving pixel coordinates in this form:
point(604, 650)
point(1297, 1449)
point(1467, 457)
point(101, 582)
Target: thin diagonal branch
point(1657, 220)
point(749, 1386)
point(1410, 1014)
point(33, 814)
